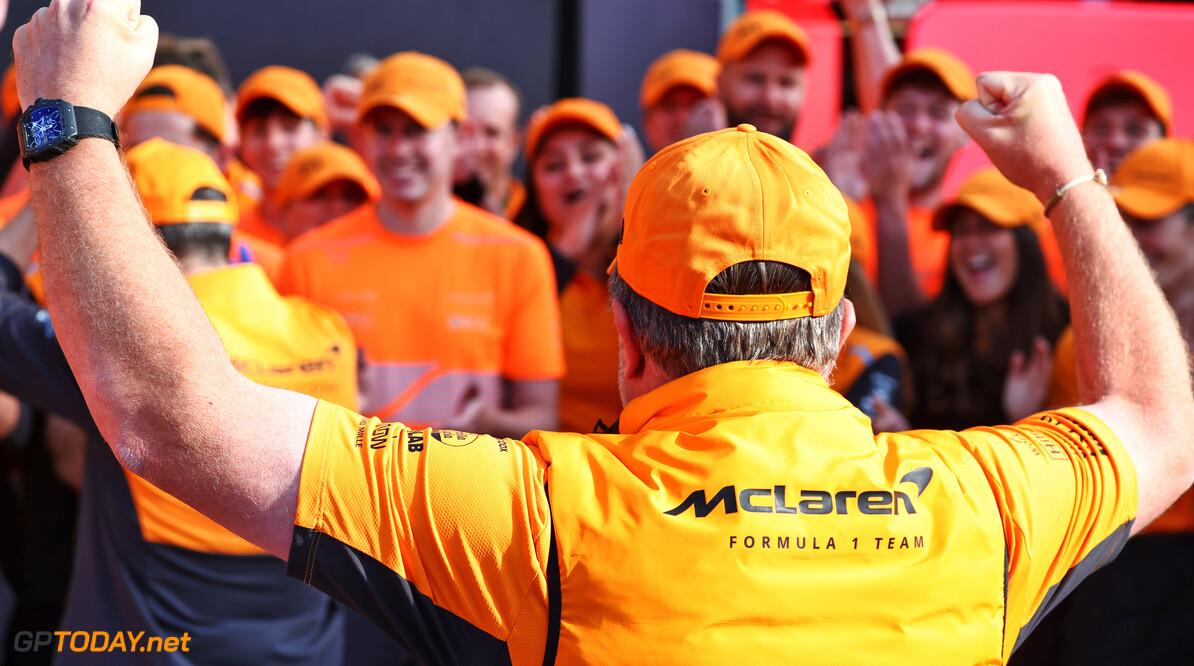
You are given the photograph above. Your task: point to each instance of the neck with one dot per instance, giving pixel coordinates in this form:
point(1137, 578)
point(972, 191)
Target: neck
point(416, 218)
point(201, 262)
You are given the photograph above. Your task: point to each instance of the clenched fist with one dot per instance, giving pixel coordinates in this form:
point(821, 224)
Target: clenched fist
point(1024, 125)
point(91, 53)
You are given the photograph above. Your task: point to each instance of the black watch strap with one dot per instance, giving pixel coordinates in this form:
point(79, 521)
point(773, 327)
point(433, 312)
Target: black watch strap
point(92, 124)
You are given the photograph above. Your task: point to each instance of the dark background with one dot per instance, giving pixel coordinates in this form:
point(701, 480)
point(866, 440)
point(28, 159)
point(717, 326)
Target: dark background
point(548, 48)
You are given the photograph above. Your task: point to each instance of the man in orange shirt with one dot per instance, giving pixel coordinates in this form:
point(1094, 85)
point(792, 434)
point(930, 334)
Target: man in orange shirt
point(763, 57)
point(486, 353)
point(736, 467)
point(280, 111)
point(674, 85)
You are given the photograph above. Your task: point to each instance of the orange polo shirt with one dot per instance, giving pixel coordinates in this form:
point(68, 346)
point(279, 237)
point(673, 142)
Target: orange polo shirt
point(744, 507)
point(440, 315)
point(929, 248)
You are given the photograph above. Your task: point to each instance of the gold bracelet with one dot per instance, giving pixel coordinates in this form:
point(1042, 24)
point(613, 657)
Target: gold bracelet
point(1099, 176)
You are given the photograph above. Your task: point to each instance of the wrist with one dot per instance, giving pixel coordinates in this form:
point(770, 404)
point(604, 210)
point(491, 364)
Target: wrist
point(874, 14)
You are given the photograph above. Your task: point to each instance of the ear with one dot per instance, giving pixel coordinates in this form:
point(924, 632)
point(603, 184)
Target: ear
point(633, 361)
point(849, 319)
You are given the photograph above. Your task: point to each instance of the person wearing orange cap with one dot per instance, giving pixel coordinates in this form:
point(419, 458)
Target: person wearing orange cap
point(1123, 112)
point(486, 354)
point(280, 111)
point(672, 87)
point(144, 559)
point(735, 471)
point(894, 161)
point(763, 56)
point(579, 163)
point(187, 107)
point(484, 171)
point(980, 351)
point(1139, 608)
point(320, 184)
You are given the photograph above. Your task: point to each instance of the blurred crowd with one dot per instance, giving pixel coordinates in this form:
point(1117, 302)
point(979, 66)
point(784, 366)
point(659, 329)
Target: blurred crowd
point(367, 241)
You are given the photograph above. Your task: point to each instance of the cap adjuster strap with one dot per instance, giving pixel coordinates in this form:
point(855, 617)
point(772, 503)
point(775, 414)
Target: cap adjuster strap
point(757, 307)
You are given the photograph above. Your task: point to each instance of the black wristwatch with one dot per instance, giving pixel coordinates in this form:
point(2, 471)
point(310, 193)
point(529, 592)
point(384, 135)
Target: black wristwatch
point(51, 127)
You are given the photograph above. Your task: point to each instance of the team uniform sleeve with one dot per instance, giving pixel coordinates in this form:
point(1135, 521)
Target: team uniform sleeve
point(534, 348)
point(440, 537)
point(1066, 492)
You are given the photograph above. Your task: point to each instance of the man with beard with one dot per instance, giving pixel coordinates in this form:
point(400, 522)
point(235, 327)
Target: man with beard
point(763, 56)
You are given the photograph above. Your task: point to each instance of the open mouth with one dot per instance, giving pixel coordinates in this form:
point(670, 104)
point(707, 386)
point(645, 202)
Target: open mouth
point(979, 266)
point(574, 196)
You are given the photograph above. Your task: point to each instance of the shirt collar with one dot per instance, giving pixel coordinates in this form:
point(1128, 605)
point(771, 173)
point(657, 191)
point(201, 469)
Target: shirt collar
point(739, 388)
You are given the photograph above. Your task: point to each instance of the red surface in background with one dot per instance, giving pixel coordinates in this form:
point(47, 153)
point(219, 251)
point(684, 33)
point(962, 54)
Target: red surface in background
point(1079, 42)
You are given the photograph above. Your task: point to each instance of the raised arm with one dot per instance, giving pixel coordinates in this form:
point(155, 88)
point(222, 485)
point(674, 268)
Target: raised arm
point(1133, 367)
point(873, 47)
point(155, 375)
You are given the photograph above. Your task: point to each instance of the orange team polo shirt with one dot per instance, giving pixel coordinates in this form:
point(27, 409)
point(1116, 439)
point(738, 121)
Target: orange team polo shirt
point(439, 315)
point(589, 389)
point(929, 248)
point(1063, 392)
point(746, 506)
point(290, 343)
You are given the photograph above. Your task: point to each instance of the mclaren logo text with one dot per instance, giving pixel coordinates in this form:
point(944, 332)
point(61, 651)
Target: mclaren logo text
point(779, 499)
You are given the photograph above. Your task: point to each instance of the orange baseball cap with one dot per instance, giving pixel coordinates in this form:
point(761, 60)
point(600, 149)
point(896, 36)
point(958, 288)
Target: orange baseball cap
point(291, 88)
point(10, 103)
point(719, 199)
point(170, 178)
point(680, 67)
point(187, 91)
point(1153, 94)
point(571, 110)
point(989, 194)
point(312, 168)
point(425, 87)
point(953, 73)
point(755, 27)
point(1156, 179)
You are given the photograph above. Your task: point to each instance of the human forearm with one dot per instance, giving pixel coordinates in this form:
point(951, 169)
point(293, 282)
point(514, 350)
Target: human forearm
point(873, 47)
point(898, 288)
point(1132, 364)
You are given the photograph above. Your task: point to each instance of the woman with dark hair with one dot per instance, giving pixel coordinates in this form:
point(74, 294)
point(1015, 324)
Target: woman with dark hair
point(580, 159)
point(980, 351)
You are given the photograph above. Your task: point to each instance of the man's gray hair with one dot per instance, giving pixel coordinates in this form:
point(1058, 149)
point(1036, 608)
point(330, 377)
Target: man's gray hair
point(682, 345)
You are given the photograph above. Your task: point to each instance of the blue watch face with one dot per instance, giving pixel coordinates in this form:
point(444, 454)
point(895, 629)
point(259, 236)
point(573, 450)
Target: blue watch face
point(43, 126)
